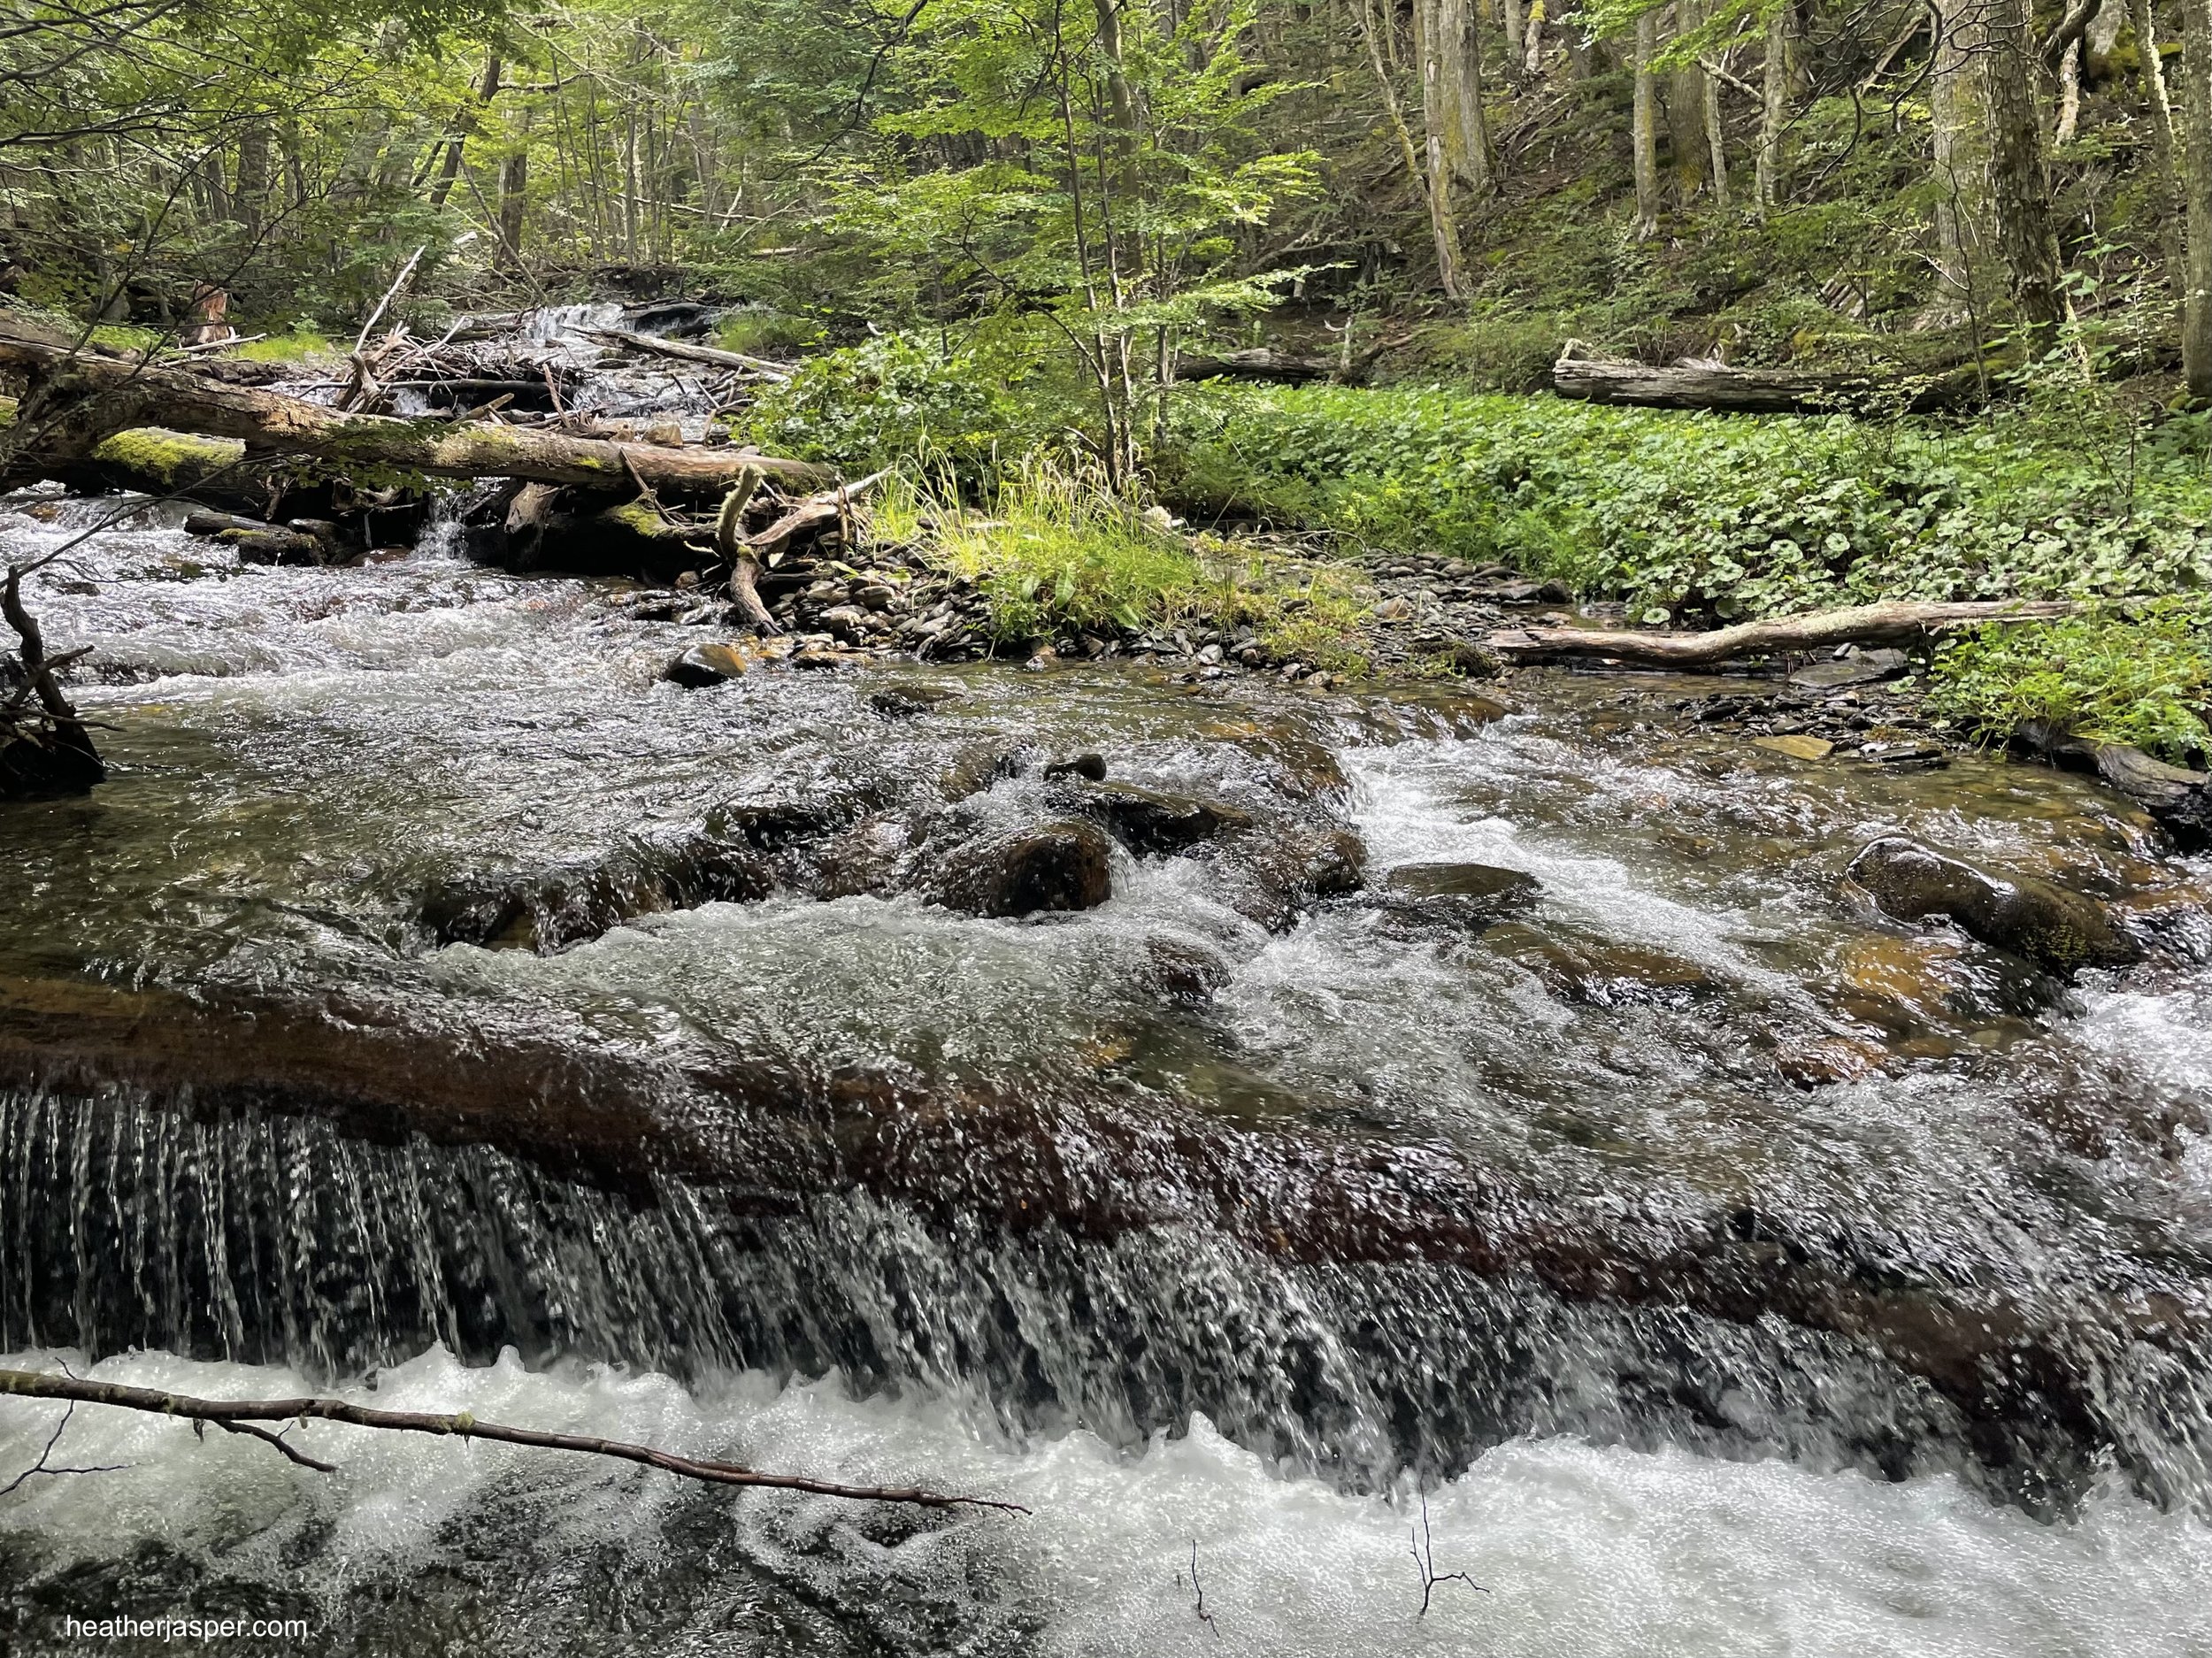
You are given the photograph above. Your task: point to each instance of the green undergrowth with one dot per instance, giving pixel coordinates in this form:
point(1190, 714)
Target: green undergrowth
point(1688, 515)
point(2138, 674)
point(295, 346)
point(1054, 553)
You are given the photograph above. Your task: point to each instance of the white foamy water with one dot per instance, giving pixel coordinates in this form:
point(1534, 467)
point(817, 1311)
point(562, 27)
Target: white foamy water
point(1578, 1550)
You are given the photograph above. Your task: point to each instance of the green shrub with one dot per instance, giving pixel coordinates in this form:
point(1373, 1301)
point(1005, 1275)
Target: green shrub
point(2145, 679)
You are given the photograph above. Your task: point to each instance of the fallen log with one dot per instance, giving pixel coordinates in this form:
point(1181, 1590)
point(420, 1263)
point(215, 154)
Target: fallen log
point(1259, 363)
point(242, 1416)
point(1891, 623)
point(77, 400)
point(1692, 385)
point(654, 345)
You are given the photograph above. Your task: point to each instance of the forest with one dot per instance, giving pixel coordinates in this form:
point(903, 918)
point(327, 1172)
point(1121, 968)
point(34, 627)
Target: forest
point(903, 825)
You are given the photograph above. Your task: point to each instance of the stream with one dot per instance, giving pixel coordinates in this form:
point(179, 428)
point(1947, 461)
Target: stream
point(439, 1007)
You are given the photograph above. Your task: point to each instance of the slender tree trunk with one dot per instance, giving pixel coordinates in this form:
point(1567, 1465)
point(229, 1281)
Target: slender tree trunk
point(1440, 130)
point(1461, 55)
point(251, 199)
point(464, 124)
point(1717, 136)
point(2068, 94)
point(514, 196)
point(1774, 109)
point(2196, 126)
point(2019, 179)
point(2161, 185)
point(1644, 127)
point(1955, 135)
point(1533, 52)
point(1510, 15)
point(1686, 111)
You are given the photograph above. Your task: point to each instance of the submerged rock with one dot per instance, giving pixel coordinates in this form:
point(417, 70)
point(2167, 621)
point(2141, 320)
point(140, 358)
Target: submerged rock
point(2035, 920)
point(1147, 820)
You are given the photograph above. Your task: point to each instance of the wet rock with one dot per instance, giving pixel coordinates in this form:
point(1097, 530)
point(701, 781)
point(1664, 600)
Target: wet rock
point(2035, 920)
point(275, 546)
point(1280, 868)
point(47, 767)
point(1910, 753)
point(1859, 667)
point(1062, 864)
point(1185, 972)
point(1797, 746)
point(703, 666)
point(1092, 766)
point(1605, 975)
point(901, 702)
point(552, 913)
point(1147, 820)
point(1829, 1060)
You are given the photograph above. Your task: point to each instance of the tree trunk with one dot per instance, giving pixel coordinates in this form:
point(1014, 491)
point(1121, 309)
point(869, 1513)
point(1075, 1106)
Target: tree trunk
point(1533, 53)
point(251, 200)
point(1955, 135)
point(464, 124)
point(1510, 15)
point(2019, 181)
point(1644, 133)
point(1685, 112)
point(1440, 127)
point(2196, 172)
point(1462, 63)
point(514, 197)
point(1766, 183)
point(2161, 187)
point(1717, 136)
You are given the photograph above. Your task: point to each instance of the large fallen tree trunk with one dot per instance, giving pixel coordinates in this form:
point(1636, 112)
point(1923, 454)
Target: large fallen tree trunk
point(79, 400)
point(242, 1416)
point(1892, 622)
point(1755, 391)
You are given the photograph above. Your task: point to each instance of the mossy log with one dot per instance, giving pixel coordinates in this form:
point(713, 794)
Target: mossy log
point(79, 400)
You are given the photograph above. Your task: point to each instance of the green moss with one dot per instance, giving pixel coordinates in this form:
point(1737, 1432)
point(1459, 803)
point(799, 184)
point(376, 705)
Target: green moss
point(171, 458)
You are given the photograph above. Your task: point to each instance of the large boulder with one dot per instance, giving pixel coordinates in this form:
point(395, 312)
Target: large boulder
point(2055, 929)
point(1063, 864)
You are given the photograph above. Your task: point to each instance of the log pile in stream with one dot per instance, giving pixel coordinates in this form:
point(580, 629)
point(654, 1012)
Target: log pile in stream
point(567, 495)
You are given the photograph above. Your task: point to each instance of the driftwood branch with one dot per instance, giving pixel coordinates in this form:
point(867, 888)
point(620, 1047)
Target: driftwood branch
point(240, 1415)
point(812, 514)
point(115, 395)
point(655, 346)
point(1892, 622)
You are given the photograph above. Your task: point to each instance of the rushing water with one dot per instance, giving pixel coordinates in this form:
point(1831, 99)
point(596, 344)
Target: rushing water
point(1182, 1219)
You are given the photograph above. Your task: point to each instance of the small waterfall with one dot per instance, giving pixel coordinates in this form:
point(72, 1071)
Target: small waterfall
point(270, 1238)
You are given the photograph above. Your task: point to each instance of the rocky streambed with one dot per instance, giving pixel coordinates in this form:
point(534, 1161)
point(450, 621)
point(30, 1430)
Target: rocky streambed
point(1373, 1078)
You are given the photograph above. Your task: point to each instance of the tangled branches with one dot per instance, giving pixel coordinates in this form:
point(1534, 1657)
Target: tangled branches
point(44, 747)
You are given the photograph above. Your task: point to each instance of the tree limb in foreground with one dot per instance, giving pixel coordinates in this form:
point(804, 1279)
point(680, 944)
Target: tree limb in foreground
point(1891, 623)
point(238, 1416)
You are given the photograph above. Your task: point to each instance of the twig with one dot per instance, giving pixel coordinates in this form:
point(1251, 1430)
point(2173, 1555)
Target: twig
point(1204, 1616)
point(229, 1414)
point(1427, 1563)
point(40, 1466)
